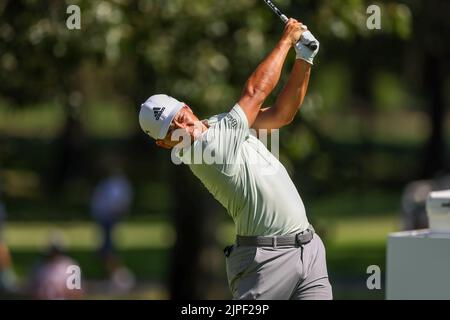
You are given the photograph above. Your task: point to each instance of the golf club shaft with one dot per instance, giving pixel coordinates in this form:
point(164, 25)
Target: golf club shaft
point(284, 18)
point(277, 11)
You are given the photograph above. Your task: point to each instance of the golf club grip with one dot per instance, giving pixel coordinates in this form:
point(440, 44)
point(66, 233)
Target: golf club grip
point(312, 46)
point(285, 19)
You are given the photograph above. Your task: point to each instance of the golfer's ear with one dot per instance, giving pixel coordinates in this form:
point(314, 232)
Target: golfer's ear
point(205, 123)
point(177, 123)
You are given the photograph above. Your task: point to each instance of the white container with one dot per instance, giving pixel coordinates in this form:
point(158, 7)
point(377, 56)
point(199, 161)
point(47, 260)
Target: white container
point(438, 211)
point(418, 265)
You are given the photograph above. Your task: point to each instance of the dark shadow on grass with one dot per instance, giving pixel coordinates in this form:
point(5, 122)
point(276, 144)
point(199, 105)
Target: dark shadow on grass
point(144, 263)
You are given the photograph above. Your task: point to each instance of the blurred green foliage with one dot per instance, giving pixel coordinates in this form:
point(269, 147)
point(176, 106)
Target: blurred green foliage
point(369, 111)
point(202, 52)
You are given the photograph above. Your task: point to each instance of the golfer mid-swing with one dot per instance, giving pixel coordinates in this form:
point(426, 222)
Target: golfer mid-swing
point(277, 255)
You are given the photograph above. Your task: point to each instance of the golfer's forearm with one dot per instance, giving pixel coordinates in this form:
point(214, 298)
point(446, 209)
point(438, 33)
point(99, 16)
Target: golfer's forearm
point(267, 74)
point(263, 81)
point(291, 97)
point(288, 101)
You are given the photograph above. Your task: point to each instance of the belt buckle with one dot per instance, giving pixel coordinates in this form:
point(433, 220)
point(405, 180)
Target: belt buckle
point(298, 235)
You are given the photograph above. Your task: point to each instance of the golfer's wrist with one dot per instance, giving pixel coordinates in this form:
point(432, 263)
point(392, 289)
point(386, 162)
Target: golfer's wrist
point(306, 58)
point(285, 42)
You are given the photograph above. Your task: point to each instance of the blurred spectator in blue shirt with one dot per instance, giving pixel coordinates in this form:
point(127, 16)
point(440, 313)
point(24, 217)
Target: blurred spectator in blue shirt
point(110, 202)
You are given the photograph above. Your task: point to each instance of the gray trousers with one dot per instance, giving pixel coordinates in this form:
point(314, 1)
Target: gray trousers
point(282, 273)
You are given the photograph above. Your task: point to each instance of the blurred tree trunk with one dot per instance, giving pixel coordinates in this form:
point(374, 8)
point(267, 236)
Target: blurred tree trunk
point(189, 270)
point(432, 30)
point(71, 143)
point(434, 156)
point(71, 147)
point(362, 97)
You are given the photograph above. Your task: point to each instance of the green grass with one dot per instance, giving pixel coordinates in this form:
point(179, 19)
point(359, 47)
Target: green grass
point(35, 121)
point(146, 263)
point(370, 203)
point(104, 119)
point(353, 243)
point(161, 235)
point(84, 235)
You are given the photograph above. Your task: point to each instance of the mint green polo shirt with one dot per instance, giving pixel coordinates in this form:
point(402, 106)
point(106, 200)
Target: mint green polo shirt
point(246, 178)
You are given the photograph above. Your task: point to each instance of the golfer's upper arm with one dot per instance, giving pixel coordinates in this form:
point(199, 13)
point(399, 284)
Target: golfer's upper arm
point(269, 118)
point(251, 102)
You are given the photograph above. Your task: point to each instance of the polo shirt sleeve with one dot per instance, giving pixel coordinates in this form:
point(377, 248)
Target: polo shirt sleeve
point(230, 133)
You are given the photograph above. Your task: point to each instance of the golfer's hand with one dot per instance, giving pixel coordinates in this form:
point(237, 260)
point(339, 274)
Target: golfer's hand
point(293, 31)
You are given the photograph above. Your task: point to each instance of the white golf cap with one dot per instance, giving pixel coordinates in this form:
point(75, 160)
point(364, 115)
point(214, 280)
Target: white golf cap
point(157, 113)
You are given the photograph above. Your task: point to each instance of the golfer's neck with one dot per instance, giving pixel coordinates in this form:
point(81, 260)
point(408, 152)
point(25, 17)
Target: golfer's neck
point(203, 129)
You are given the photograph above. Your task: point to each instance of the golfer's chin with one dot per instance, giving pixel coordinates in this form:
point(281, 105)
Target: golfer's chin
point(187, 141)
point(191, 133)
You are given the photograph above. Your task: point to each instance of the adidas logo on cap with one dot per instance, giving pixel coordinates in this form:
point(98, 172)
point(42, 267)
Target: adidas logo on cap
point(158, 112)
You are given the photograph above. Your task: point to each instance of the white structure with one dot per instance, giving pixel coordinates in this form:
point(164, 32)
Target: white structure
point(418, 262)
point(438, 211)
